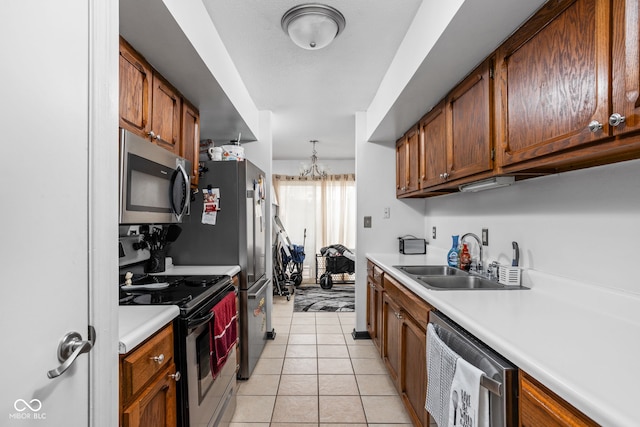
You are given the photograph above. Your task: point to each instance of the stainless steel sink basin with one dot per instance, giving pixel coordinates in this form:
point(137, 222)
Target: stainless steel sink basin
point(431, 270)
point(445, 278)
point(468, 282)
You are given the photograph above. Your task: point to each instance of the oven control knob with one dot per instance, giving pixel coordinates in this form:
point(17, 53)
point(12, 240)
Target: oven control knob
point(158, 359)
point(176, 376)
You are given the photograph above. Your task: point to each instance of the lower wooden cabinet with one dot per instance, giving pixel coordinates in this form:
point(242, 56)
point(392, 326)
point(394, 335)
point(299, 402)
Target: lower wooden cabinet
point(540, 407)
point(391, 346)
point(404, 325)
point(399, 319)
point(374, 304)
point(156, 406)
point(148, 383)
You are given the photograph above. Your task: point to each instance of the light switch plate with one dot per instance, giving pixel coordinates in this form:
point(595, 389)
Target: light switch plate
point(433, 232)
point(367, 222)
point(485, 237)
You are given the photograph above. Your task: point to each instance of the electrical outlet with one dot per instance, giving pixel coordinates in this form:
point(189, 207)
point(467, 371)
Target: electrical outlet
point(485, 237)
point(387, 213)
point(367, 222)
point(433, 233)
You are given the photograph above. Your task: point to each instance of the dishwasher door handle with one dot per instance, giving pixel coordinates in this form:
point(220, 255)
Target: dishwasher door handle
point(492, 385)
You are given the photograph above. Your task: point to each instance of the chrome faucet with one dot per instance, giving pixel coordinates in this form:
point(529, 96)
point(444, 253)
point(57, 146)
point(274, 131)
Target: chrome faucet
point(480, 264)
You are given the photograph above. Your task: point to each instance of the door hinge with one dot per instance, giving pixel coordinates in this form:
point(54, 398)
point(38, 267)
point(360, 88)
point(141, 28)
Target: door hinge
point(491, 73)
point(493, 154)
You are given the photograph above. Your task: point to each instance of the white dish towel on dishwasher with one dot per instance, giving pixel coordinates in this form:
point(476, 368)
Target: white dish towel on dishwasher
point(469, 401)
point(441, 366)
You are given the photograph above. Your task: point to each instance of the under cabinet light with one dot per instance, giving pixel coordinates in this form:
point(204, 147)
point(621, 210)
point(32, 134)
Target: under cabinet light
point(487, 184)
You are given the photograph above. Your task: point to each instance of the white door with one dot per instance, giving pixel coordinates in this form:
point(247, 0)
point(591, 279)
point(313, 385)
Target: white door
point(45, 194)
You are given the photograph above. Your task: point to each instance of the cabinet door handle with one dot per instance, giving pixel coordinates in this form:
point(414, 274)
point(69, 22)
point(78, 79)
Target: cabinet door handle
point(398, 315)
point(175, 376)
point(616, 119)
point(152, 134)
point(595, 126)
point(158, 359)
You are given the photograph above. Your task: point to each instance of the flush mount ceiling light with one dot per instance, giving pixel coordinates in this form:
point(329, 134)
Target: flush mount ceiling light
point(312, 26)
point(487, 184)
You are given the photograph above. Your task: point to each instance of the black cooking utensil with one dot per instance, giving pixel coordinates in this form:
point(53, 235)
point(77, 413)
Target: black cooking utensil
point(515, 260)
point(173, 231)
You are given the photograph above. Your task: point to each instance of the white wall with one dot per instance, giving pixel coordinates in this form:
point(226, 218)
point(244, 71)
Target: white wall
point(375, 190)
point(335, 167)
point(583, 225)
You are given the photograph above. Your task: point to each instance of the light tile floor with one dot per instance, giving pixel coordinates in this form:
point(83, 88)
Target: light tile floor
point(314, 374)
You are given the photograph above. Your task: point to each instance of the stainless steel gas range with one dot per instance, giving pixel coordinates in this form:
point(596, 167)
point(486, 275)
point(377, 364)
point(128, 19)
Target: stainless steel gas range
point(204, 398)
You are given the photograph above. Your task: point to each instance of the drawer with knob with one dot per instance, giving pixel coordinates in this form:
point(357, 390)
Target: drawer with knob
point(141, 365)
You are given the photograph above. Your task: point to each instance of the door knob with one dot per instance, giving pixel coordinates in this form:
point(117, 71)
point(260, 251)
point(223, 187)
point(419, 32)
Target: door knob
point(71, 346)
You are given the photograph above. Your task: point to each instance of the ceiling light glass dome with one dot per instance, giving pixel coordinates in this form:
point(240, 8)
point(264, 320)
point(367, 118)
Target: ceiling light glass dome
point(312, 26)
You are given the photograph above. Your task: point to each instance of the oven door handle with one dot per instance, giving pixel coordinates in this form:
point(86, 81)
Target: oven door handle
point(194, 323)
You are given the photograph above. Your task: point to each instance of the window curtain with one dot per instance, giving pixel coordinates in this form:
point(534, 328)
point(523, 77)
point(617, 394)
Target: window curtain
point(325, 208)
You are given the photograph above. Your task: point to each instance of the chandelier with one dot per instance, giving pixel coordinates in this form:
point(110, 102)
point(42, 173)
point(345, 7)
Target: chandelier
point(314, 170)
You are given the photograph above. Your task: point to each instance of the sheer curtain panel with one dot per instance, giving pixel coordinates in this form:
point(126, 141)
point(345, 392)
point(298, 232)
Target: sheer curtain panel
point(324, 207)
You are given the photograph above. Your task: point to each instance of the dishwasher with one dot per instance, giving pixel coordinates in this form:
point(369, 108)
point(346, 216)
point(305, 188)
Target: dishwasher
point(500, 376)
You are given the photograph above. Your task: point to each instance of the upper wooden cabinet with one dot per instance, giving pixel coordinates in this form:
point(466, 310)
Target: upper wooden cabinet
point(191, 138)
point(456, 137)
point(166, 108)
point(136, 78)
point(470, 115)
point(569, 81)
point(566, 96)
point(153, 109)
point(433, 147)
point(554, 81)
point(149, 105)
point(626, 64)
point(407, 161)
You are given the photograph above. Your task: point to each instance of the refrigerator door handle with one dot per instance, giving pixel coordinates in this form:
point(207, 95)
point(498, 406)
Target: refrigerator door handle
point(254, 295)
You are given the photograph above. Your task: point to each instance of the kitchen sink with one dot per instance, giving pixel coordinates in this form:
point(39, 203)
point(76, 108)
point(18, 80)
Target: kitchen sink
point(459, 282)
point(445, 278)
point(431, 270)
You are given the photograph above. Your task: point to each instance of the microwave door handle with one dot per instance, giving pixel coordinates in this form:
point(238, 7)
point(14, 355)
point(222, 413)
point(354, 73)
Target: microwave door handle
point(185, 188)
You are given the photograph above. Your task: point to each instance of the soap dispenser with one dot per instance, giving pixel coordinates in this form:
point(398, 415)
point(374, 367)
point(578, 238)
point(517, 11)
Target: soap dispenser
point(465, 258)
point(452, 256)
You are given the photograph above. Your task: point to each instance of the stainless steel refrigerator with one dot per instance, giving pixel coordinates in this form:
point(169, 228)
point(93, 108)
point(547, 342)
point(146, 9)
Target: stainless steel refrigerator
point(237, 238)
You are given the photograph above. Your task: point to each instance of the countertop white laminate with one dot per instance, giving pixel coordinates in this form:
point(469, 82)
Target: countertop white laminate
point(581, 341)
point(139, 322)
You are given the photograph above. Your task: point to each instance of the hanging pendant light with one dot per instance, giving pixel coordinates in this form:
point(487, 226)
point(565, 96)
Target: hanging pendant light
point(315, 170)
point(313, 26)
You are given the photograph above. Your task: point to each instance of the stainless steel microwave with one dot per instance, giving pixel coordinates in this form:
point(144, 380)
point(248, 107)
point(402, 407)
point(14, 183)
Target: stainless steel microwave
point(154, 182)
